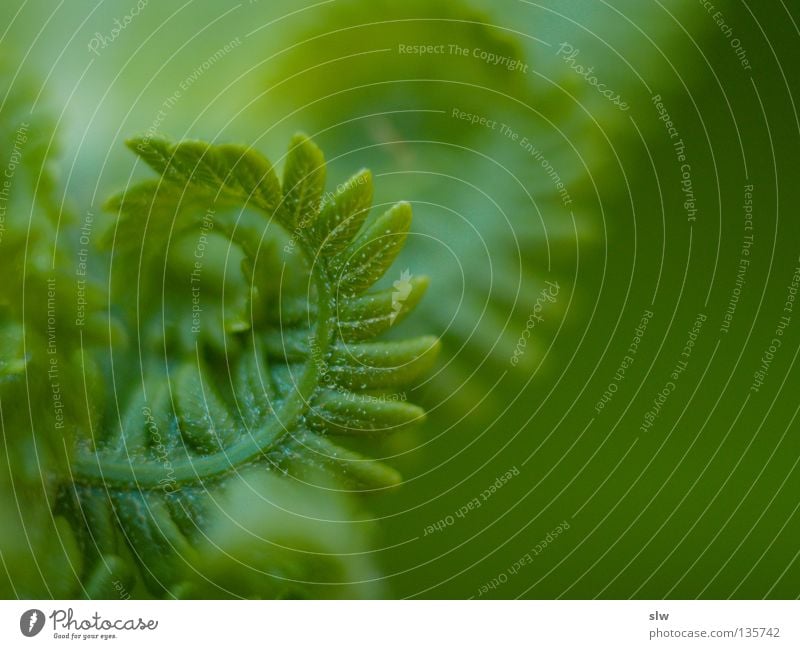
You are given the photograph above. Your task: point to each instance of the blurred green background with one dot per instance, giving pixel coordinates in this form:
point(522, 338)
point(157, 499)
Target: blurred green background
point(703, 501)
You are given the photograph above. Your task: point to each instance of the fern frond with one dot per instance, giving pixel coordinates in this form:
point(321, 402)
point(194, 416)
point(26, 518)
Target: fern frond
point(302, 362)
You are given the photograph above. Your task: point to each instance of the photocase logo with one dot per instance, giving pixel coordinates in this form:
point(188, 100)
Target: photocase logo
point(31, 622)
point(402, 290)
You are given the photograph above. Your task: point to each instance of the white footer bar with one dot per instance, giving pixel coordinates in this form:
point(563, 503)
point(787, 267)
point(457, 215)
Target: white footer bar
point(401, 624)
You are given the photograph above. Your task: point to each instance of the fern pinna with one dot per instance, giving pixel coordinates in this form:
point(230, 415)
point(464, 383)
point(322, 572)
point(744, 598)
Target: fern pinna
point(284, 364)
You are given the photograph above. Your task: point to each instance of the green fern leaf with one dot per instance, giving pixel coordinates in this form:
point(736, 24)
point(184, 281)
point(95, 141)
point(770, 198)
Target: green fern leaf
point(302, 368)
point(343, 214)
point(303, 182)
point(229, 171)
point(369, 257)
point(370, 314)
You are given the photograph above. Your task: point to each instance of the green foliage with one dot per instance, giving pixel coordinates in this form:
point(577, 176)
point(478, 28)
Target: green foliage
point(344, 70)
point(38, 550)
point(226, 171)
point(218, 448)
